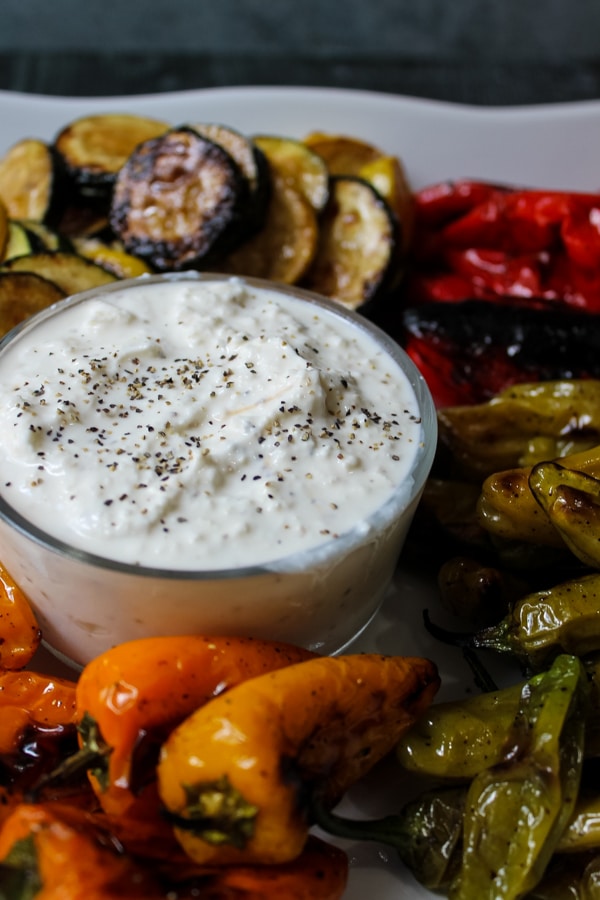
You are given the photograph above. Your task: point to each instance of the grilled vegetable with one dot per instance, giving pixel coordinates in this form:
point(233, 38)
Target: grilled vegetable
point(470, 351)
point(54, 850)
point(299, 166)
point(522, 425)
point(515, 812)
point(70, 272)
point(252, 163)
point(19, 631)
point(319, 873)
point(93, 148)
point(356, 246)
point(245, 800)
point(509, 510)
point(178, 200)
point(43, 237)
point(22, 294)
point(111, 257)
point(19, 243)
point(564, 618)
point(571, 500)
point(168, 678)
point(489, 241)
point(346, 155)
point(31, 186)
point(286, 244)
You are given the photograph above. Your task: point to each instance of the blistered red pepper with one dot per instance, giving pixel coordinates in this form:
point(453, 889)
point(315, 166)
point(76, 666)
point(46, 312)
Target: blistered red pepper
point(484, 241)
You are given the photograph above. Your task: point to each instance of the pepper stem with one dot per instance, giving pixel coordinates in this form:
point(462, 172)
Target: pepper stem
point(91, 756)
point(388, 830)
point(216, 812)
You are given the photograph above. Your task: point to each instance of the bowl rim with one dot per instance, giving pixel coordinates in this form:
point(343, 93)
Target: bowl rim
point(402, 496)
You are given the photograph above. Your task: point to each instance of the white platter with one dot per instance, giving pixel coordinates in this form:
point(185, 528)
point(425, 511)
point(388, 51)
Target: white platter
point(554, 146)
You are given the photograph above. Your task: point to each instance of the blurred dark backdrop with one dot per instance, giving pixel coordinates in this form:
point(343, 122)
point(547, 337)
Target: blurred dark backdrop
point(472, 51)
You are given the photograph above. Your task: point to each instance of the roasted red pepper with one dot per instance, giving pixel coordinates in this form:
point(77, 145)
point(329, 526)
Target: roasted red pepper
point(478, 240)
point(469, 351)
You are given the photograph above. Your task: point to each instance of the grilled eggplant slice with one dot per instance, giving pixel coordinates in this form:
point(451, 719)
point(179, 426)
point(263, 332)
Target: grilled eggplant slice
point(31, 182)
point(69, 271)
point(178, 201)
point(93, 148)
point(285, 247)
point(357, 245)
point(297, 164)
point(252, 163)
point(22, 294)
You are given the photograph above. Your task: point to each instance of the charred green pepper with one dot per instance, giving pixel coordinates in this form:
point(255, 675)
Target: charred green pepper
point(515, 811)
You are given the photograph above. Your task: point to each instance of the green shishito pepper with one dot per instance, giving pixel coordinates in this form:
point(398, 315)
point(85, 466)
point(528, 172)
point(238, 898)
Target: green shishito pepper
point(571, 500)
point(456, 740)
point(562, 619)
point(515, 811)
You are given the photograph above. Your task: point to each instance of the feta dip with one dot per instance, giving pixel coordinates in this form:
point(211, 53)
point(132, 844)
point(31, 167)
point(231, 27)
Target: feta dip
point(199, 425)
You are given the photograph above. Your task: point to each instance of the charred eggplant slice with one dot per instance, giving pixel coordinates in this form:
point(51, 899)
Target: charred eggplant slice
point(94, 148)
point(178, 200)
point(300, 166)
point(31, 181)
point(69, 271)
point(357, 244)
point(22, 294)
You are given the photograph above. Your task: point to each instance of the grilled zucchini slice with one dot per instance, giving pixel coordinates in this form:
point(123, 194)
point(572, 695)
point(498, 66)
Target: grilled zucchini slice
point(284, 248)
point(20, 241)
point(357, 244)
point(252, 164)
point(178, 201)
point(300, 166)
point(69, 271)
point(43, 237)
point(4, 229)
point(31, 182)
point(22, 294)
point(93, 148)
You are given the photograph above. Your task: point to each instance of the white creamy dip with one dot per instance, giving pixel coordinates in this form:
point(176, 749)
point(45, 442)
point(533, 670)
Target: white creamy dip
point(198, 425)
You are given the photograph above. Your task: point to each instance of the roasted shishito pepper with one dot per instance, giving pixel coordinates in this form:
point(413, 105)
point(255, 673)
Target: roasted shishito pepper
point(55, 851)
point(38, 718)
point(510, 509)
point(495, 840)
point(238, 775)
point(20, 633)
point(131, 696)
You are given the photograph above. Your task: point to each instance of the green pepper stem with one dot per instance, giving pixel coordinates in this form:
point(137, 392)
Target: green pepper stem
point(387, 830)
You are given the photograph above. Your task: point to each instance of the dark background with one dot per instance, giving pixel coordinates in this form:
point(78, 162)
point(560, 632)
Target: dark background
point(499, 52)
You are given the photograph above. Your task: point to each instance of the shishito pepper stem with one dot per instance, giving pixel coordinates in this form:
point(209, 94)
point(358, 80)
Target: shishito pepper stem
point(426, 833)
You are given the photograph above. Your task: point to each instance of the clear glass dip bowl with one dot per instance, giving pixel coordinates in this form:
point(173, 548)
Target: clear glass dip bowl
point(322, 597)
